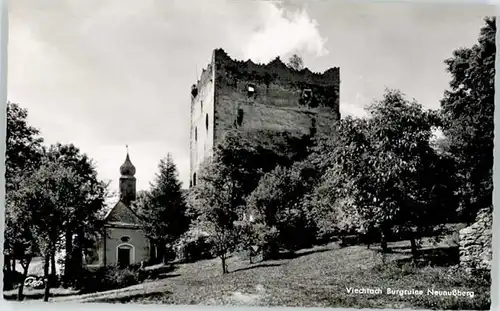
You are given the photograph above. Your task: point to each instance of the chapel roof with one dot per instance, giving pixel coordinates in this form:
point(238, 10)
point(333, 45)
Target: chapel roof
point(122, 215)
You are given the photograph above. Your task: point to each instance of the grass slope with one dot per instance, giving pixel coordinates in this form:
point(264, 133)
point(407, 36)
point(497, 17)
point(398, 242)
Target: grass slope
point(313, 278)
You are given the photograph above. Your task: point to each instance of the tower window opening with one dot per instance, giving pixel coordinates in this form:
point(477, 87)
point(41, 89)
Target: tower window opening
point(195, 134)
point(194, 90)
point(307, 98)
point(201, 104)
point(250, 90)
point(239, 117)
point(194, 179)
point(206, 121)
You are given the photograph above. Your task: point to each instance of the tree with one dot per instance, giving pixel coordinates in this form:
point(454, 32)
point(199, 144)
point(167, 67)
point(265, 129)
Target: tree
point(217, 205)
point(19, 239)
point(340, 203)
point(219, 195)
point(48, 199)
point(141, 203)
point(164, 216)
point(383, 172)
point(88, 200)
point(295, 62)
point(24, 145)
point(406, 176)
point(277, 209)
point(23, 154)
point(468, 113)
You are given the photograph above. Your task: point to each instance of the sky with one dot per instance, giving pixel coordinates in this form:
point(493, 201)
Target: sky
point(103, 74)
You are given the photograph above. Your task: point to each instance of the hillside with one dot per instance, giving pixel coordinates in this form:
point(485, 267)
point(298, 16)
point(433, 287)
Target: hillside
point(313, 278)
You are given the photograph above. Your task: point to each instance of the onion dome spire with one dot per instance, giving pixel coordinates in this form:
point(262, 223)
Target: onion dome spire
point(127, 168)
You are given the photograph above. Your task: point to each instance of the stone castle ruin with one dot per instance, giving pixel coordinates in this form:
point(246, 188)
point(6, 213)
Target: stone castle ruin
point(260, 100)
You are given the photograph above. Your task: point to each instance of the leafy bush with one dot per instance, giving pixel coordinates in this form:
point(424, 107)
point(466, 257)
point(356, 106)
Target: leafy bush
point(193, 246)
point(170, 253)
point(107, 278)
point(123, 278)
point(296, 229)
point(280, 206)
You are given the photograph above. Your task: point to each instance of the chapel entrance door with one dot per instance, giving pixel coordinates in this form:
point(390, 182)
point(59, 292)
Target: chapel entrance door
point(123, 257)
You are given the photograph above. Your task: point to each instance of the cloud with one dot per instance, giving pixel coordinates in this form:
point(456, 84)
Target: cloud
point(348, 109)
point(356, 108)
point(103, 74)
point(119, 71)
point(280, 33)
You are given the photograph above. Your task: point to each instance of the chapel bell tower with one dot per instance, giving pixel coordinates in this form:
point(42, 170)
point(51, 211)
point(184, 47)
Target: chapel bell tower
point(127, 181)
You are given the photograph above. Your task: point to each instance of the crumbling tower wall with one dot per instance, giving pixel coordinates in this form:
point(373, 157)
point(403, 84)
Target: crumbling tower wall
point(262, 101)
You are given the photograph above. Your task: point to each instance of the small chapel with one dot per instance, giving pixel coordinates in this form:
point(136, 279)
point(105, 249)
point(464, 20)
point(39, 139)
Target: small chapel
point(123, 241)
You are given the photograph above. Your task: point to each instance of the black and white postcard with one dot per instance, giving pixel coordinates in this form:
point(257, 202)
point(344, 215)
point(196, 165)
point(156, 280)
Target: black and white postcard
point(250, 153)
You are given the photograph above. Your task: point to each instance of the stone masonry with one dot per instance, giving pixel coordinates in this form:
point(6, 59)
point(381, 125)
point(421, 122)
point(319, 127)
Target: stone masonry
point(261, 100)
point(476, 243)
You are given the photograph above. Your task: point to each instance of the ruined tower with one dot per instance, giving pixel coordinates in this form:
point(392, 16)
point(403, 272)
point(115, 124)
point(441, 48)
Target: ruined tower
point(257, 98)
point(127, 181)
